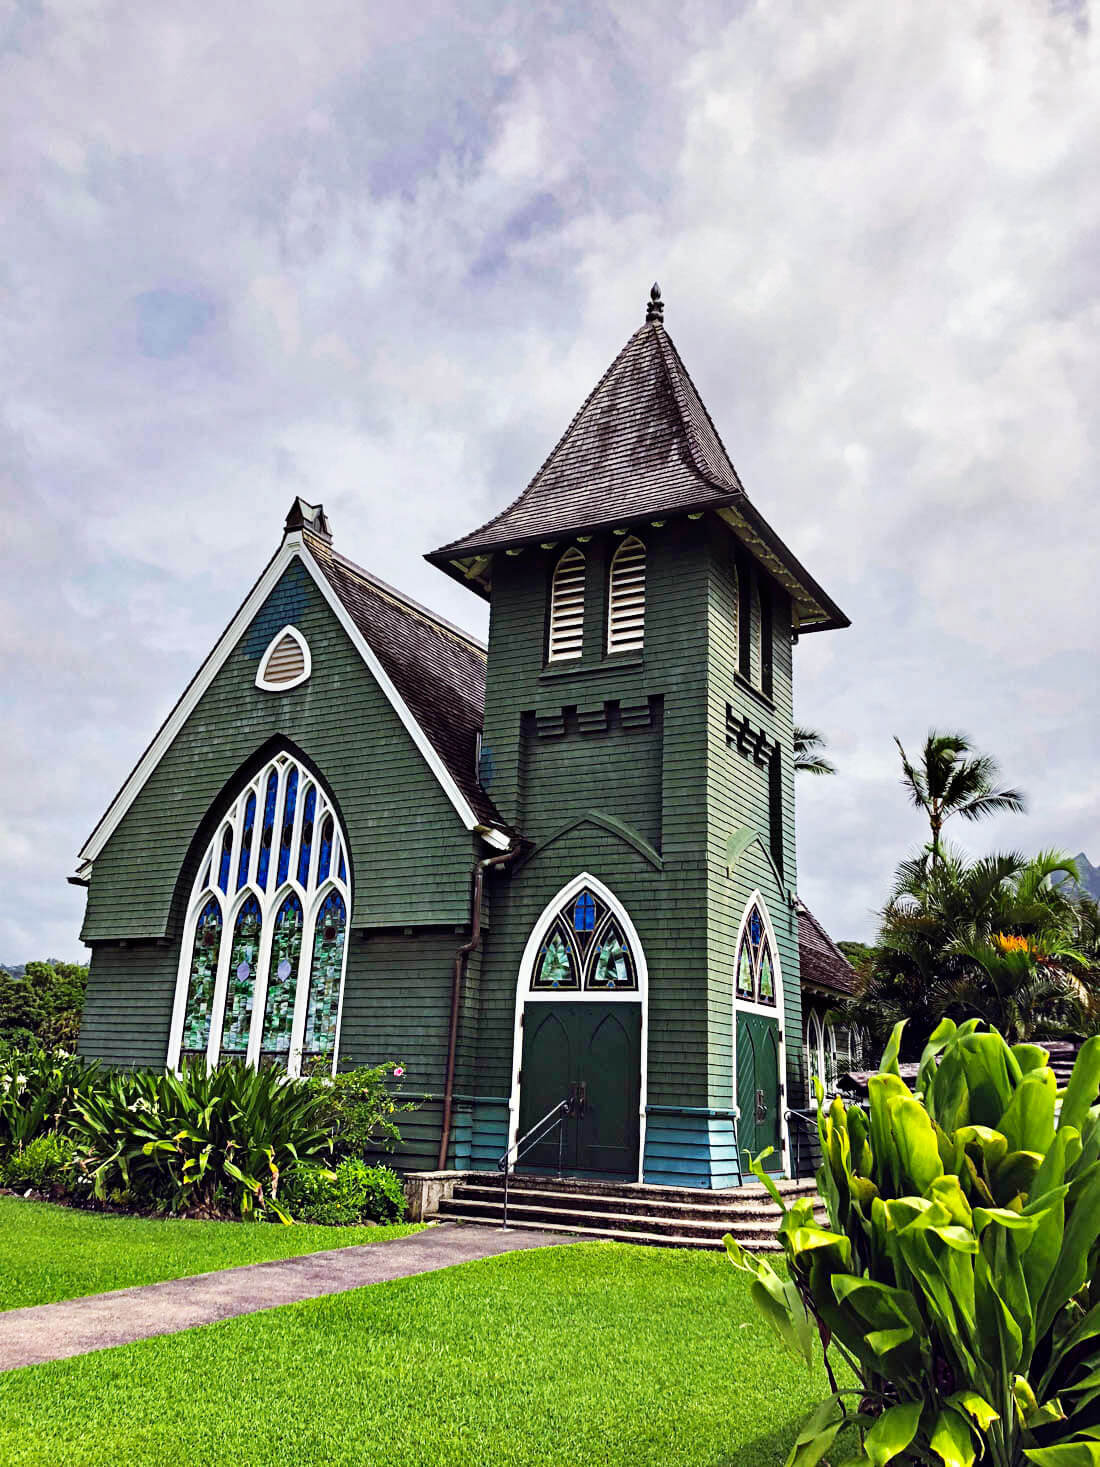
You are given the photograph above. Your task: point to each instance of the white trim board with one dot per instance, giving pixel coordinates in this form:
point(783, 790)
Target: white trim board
point(293, 548)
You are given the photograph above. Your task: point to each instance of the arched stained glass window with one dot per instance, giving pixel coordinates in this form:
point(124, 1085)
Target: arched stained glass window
point(756, 982)
point(272, 987)
point(309, 809)
point(205, 949)
point(288, 825)
point(225, 860)
point(324, 858)
point(267, 835)
point(584, 948)
point(323, 1005)
point(244, 957)
point(282, 981)
point(247, 833)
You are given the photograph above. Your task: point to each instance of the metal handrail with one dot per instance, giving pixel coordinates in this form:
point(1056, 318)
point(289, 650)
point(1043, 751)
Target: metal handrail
point(556, 1117)
point(808, 1122)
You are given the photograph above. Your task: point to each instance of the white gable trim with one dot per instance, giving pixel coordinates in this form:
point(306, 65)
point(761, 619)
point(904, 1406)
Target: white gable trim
point(292, 548)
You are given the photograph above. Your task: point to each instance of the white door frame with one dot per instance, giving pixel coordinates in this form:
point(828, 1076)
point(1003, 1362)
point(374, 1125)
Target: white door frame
point(524, 994)
point(777, 1011)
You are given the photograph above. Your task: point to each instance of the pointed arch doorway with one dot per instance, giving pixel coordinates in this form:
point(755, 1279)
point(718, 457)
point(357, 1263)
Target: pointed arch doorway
point(581, 1032)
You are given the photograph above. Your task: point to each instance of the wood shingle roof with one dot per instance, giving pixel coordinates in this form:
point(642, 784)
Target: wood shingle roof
point(822, 963)
point(642, 445)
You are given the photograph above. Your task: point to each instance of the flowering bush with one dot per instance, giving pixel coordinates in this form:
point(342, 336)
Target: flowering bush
point(358, 1108)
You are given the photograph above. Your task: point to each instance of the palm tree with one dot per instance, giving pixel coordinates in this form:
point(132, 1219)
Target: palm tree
point(808, 752)
point(952, 779)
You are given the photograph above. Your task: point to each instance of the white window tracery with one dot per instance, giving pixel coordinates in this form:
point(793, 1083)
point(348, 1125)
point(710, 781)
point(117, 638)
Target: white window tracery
point(264, 946)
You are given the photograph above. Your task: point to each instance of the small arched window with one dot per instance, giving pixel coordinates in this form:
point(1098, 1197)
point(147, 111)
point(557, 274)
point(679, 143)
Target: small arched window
point(262, 965)
point(567, 607)
point(286, 662)
point(626, 598)
point(585, 948)
point(756, 965)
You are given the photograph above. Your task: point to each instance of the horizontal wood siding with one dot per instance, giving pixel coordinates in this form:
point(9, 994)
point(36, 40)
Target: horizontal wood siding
point(128, 1005)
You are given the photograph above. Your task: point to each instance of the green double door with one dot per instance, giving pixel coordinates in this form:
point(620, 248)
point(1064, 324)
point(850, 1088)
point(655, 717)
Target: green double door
point(591, 1051)
point(759, 1092)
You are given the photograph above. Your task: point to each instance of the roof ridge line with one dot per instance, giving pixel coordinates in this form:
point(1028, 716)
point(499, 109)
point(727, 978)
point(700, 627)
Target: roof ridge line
point(667, 345)
point(805, 909)
point(646, 326)
point(399, 597)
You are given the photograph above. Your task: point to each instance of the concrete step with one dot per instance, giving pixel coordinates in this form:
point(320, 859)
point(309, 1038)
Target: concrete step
point(750, 1191)
point(719, 1208)
point(535, 1215)
point(763, 1243)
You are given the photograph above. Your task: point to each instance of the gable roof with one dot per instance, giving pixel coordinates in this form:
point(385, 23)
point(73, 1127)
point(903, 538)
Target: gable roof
point(821, 962)
point(641, 445)
point(438, 670)
point(432, 673)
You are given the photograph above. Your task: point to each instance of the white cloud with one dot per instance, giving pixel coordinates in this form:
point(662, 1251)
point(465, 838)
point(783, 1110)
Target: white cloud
point(379, 257)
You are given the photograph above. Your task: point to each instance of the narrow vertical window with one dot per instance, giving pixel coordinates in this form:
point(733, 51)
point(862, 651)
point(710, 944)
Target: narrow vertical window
point(743, 574)
point(243, 958)
point(324, 859)
point(246, 840)
point(200, 983)
point(309, 810)
point(225, 861)
point(267, 834)
point(567, 607)
point(324, 977)
point(775, 807)
point(766, 623)
point(626, 598)
point(282, 982)
point(288, 826)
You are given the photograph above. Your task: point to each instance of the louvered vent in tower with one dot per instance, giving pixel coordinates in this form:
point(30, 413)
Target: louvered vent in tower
point(286, 663)
point(567, 607)
point(626, 598)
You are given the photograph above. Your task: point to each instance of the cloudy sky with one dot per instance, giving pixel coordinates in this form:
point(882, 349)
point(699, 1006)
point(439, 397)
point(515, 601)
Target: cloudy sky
point(376, 255)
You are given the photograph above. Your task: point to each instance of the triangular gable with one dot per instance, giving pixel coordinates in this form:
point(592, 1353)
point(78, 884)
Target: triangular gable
point(298, 547)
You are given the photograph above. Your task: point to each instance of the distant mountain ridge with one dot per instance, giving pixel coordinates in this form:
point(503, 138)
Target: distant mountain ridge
point(1089, 884)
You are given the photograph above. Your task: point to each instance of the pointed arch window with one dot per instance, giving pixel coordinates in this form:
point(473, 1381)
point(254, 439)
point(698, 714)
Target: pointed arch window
point(262, 968)
point(286, 663)
point(567, 607)
point(756, 964)
point(584, 948)
point(626, 598)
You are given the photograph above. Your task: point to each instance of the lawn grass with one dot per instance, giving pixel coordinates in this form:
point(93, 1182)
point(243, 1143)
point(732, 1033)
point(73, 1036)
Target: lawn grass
point(49, 1253)
point(592, 1355)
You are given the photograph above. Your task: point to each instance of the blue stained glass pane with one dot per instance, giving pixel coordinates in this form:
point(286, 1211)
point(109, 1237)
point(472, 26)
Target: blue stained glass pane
point(226, 858)
point(308, 812)
point(756, 927)
point(288, 825)
point(268, 834)
point(324, 860)
point(246, 841)
point(584, 913)
point(343, 873)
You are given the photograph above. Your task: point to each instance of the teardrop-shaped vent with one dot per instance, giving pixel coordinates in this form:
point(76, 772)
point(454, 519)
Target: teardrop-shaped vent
point(286, 663)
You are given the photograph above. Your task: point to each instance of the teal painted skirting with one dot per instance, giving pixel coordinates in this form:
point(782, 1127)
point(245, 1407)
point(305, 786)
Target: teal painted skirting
point(686, 1147)
point(489, 1137)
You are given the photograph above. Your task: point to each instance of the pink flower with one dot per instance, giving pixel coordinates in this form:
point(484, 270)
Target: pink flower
point(398, 1071)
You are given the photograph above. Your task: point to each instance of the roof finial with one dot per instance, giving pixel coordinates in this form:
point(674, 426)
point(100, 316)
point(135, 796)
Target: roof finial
point(655, 306)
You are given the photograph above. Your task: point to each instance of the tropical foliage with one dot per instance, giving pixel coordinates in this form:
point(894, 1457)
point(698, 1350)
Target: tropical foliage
point(349, 1193)
point(955, 1286)
point(358, 1107)
point(951, 779)
point(40, 1003)
point(1000, 938)
point(809, 752)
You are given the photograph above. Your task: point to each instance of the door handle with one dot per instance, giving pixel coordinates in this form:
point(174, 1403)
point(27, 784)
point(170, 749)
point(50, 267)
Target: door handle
point(578, 1095)
point(761, 1106)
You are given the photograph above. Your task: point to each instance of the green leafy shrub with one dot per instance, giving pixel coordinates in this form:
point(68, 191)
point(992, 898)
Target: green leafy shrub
point(41, 1163)
point(352, 1192)
point(957, 1279)
point(212, 1142)
point(39, 1093)
point(358, 1107)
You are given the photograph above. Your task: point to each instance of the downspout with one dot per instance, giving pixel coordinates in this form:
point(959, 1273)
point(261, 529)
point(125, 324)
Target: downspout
point(477, 888)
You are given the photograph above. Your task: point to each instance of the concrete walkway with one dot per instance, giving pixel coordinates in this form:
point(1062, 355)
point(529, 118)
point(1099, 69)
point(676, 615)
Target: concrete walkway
point(75, 1326)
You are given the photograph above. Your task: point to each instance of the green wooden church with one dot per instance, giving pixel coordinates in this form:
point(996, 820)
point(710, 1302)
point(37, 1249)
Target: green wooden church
point(560, 865)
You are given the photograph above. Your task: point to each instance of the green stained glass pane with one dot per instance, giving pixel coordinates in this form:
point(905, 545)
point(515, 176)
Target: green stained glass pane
point(323, 1007)
point(613, 968)
point(282, 980)
point(767, 982)
point(555, 967)
point(746, 988)
point(200, 985)
point(242, 979)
